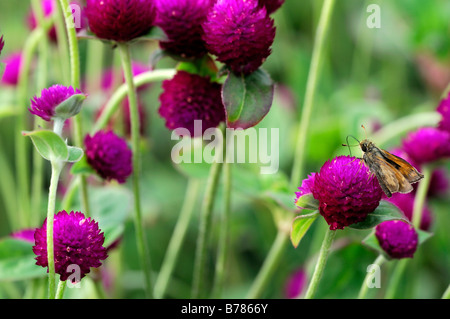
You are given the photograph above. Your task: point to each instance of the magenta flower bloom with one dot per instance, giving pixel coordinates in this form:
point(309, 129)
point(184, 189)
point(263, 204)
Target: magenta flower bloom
point(52, 103)
point(25, 235)
point(239, 33)
point(182, 21)
point(109, 155)
point(306, 188)
point(11, 73)
point(397, 238)
point(444, 110)
point(271, 5)
point(77, 241)
point(295, 284)
point(346, 190)
point(2, 44)
point(405, 202)
point(427, 145)
point(120, 20)
point(188, 97)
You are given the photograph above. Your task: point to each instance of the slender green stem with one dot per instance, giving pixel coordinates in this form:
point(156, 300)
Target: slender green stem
point(365, 286)
point(396, 278)
point(446, 294)
point(75, 80)
point(94, 65)
point(56, 171)
point(282, 238)
point(135, 136)
point(178, 236)
point(421, 195)
point(114, 102)
point(311, 88)
point(321, 262)
point(61, 288)
point(199, 277)
point(63, 44)
point(222, 254)
point(7, 187)
point(21, 151)
point(270, 264)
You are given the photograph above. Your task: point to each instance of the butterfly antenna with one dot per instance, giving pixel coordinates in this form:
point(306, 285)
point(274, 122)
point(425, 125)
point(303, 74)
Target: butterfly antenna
point(365, 131)
point(348, 144)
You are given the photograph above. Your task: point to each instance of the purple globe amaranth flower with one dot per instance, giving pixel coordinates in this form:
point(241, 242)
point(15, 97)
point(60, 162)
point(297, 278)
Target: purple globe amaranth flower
point(427, 145)
point(57, 101)
point(109, 155)
point(270, 5)
point(120, 20)
point(397, 238)
point(182, 21)
point(295, 284)
point(11, 73)
point(405, 202)
point(188, 97)
point(444, 110)
point(346, 190)
point(239, 33)
point(77, 241)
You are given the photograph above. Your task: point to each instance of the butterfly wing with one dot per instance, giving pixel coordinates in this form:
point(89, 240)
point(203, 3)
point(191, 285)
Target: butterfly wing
point(406, 169)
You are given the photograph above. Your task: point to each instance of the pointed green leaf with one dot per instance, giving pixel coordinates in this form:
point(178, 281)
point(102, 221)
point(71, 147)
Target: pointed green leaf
point(300, 226)
point(385, 211)
point(247, 99)
point(70, 107)
point(49, 144)
point(75, 154)
point(307, 201)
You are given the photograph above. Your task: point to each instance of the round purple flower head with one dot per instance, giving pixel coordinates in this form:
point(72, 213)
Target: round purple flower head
point(50, 104)
point(77, 240)
point(405, 202)
point(444, 110)
point(109, 155)
point(120, 20)
point(239, 33)
point(11, 72)
point(346, 191)
point(188, 97)
point(427, 145)
point(271, 5)
point(182, 21)
point(397, 238)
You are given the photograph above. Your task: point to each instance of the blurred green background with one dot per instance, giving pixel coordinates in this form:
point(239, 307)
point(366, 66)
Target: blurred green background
point(369, 76)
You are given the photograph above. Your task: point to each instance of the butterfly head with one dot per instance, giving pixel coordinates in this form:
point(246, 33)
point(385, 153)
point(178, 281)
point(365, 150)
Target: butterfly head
point(366, 145)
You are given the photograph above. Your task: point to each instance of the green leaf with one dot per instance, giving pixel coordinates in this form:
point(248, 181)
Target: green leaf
point(307, 201)
point(17, 260)
point(300, 226)
point(385, 211)
point(82, 167)
point(75, 154)
point(204, 66)
point(247, 99)
point(70, 107)
point(49, 144)
point(284, 199)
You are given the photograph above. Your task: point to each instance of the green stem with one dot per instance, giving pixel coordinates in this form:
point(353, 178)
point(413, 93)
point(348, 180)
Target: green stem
point(21, 151)
point(135, 136)
point(222, 254)
point(365, 286)
point(396, 278)
point(297, 171)
point(446, 294)
point(178, 236)
point(61, 288)
point(270, 265)
point(113, 103)
point(7, 187)
point(199, 277)
point(421, 195)
point(56, 171)
point(311, 88)
point(321, 262)
point(75, 79)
